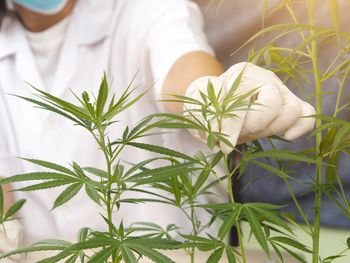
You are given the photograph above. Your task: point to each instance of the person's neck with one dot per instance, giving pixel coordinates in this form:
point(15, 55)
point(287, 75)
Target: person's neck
point(36, 22)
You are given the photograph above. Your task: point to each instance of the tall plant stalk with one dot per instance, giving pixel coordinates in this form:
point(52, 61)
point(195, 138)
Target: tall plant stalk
point(319, 158)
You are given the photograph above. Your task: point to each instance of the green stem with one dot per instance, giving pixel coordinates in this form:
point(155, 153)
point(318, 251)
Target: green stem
point(108, 197)
point(241, 241)
point(194, 229)
point(319, 159)
point(229, 178)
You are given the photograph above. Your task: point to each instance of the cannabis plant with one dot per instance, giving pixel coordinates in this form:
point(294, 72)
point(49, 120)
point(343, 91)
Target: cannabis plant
point(187, 181)
point(300, 66)
point(184, 180)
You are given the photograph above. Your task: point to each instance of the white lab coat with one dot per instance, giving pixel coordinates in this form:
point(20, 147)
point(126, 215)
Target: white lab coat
point(122, 38)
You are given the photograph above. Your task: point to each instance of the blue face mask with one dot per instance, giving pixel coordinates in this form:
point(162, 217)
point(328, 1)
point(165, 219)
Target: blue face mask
point(46, 7)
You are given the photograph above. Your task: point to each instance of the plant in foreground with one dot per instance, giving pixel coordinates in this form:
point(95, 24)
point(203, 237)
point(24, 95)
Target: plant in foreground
point(300, 65)
point(184, 180)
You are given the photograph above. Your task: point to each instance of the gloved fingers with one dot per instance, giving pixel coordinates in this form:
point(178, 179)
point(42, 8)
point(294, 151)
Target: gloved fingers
point(253, 77)
point(266, 108)
point(289, 115)
point(303, 125)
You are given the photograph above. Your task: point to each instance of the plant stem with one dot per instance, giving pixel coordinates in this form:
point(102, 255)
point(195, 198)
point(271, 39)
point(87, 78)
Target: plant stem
point(319, 159)
point(241, 242)
point(229, 178)
point(109, 175)
point(194, 226)
point(109, 204)
point(232, 201)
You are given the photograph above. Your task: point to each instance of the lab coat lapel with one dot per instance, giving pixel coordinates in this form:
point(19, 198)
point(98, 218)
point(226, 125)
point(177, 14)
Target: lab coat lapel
point(25, 63)
point(86, 29)
point(67, 64)
point(27, 69)
point(28, 73)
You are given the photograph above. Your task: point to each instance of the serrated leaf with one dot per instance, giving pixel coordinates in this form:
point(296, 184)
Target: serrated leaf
point(331, 259)
point(211, 140)
point(48, 107)
point(158, 243)
point(176, 190)
point(30, 249)
point(53, 242)
point(102, 97)
point(14, 209)
point(128, 255)
point(110, 224)
point(82, 234)
point(280, 173)
point(33, 176)
point(292, 253)
point(229, 96)
point(122, 105)
point(151, 253)
point(228, 223)
point(277, 251)
point(290, 242)
point(280, 154)
point(202, 243)
point(161, 173)
point(92, 193)
point(202, 178)
point(78, 170)
point(162, 150)
point(211, 94)
point(46, 185)
point(96, 171)
point(342, 133)
point(230, 255)
point(257, 229)
point(217, 158)
point(93, 243)
point(50, 165)
point(57, 258)
point(216, 255)
point(102, 256)
point(63, 105)
point(72, 259)
point(67, 194)
point(272, 217)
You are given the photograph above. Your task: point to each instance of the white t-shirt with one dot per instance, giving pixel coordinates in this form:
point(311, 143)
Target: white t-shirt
point(123, 38)
point(46, 47)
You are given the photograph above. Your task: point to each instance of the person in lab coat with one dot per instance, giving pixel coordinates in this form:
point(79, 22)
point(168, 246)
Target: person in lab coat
point(58, 45)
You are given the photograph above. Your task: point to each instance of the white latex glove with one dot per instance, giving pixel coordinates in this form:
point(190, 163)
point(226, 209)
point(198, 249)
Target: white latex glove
point(276, 110)
point(10, 239)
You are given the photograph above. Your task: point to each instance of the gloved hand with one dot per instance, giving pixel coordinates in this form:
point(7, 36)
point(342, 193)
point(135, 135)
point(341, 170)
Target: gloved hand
point(11, 235)
point(275, 111)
